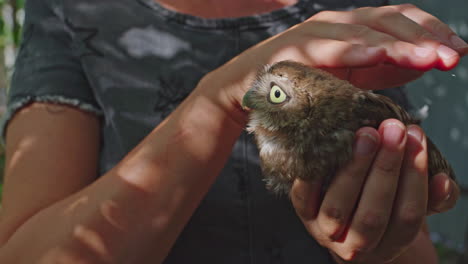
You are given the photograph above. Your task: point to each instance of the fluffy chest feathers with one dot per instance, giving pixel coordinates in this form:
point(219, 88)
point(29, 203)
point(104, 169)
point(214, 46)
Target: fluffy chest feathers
point(304, 121)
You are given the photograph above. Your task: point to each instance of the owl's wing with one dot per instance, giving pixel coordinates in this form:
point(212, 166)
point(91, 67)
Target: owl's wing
point(373, 108)
point(436, 161)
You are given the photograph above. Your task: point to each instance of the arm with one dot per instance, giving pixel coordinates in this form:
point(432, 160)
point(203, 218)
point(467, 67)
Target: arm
point(45, 144)
point(138, 207)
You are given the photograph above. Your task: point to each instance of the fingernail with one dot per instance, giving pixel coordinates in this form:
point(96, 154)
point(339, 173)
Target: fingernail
point(415, 132)
point(393, 133)
point(445, 52)
point(457, 42)
point(422, 52)
point(448, 189)
point(366, 144)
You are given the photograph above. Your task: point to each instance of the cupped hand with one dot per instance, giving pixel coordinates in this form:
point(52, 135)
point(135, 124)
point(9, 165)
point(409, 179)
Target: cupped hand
point(375, 205)
point(414, 42)
point(373, 48)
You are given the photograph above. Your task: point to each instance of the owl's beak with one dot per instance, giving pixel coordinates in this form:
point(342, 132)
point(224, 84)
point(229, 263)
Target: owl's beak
point(247, 103)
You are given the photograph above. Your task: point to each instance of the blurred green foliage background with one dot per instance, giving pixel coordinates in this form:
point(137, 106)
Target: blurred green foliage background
point(11, 19)
point(446, 94)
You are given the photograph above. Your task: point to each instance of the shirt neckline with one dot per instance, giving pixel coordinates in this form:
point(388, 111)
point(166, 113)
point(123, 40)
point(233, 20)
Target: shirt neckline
point(226, 23)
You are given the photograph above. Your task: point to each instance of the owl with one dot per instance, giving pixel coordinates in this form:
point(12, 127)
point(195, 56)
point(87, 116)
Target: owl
point(304, 121)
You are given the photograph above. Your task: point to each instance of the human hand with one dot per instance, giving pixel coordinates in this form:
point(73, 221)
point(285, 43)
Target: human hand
point(374, 48)
point(414, 41)
point(374, 207)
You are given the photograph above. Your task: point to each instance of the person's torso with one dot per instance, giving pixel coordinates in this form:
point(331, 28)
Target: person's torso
point(141, 61)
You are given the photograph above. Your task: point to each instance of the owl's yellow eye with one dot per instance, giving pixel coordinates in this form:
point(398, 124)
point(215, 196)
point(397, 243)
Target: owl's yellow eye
point(277, 96)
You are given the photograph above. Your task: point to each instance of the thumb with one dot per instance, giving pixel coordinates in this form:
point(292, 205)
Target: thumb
point(444, 193)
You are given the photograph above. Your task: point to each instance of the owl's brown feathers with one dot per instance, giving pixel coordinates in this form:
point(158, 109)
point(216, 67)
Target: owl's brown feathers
point(304, 121)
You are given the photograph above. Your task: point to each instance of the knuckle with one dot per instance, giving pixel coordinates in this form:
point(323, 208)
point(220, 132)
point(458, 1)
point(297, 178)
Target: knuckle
point(411, 215)
point(351, 254)
point(436, 25)
point(421, 34)
point(358, 31)
point(383, 39)
point(388, 11)
point(387, 168)
point(335, 215)
point(372, 221)
point(322, 241)
point(332, 222)
point(325, 15)
point(385, 16)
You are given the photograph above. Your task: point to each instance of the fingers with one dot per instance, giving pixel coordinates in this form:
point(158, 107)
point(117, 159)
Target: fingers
point(332, 53)
point(379, 178)
point(441, 30)
point(373, 211)
point(405, 31)
point(382, 76)
point(343, 192)
point(378, 77)
point(376, 204)
point(397, 51)
point(443, 195)
point(385, 46)
point(409, 208)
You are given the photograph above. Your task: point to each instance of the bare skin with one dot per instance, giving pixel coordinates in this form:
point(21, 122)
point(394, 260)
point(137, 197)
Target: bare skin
point(223, 8)
point(134, 213)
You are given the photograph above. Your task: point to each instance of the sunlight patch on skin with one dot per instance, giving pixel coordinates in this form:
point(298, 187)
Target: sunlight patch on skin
point(161, 222)
point(22, 147)
point(93, 241)
point(135, 173)
point(169, 211)
point(56, 255)
point(80, 201)
point(113, 213)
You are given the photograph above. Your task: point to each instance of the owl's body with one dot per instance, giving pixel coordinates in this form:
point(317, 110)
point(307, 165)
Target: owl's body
point(304, 121)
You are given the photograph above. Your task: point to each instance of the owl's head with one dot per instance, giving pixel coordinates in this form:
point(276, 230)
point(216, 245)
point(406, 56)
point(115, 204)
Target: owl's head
point(283, 94)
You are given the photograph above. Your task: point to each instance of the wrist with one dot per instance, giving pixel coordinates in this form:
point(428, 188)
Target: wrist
point(420, 250)
point(227, 85)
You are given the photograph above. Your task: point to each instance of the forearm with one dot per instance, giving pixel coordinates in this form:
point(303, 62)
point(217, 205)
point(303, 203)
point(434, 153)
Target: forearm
point(136, 211)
